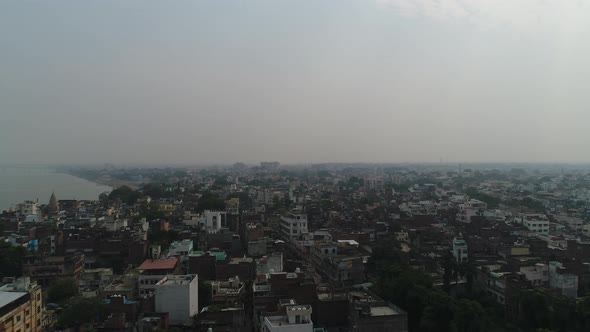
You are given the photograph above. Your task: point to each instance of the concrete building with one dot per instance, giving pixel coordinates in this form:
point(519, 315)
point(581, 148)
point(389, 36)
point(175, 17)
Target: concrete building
point(154, 270)
point(21, 306)
point(537, 274)
point(180, 249)
point(28, 208)
point(178, 296)
point(212, 221)
point(226, 292)
point(290, 317)
point(537, 223)
point(368, 313)
point(93, 281)
point(460, 250)
point(46, 269)
point(560, 278)
point(470, 209)
point(293, 226)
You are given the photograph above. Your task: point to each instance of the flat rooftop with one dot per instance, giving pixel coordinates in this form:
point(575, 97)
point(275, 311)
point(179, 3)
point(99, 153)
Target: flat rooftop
point(383, 311)
point(9, 297)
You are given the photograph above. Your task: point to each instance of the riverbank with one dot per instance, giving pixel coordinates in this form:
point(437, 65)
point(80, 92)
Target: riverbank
point(109, 181)
point(30, 184)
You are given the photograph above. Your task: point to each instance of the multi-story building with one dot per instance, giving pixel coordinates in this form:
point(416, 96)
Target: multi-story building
point(21, 306)
point(93, 281)
point(460, 250)
point(178, 295)
point(212, 221)
point(562, 279)
point(181, 249)
point(368, 313)
point(290, 317)
point(154, 270)
point(470, 209)
point(293, 226)
point(226, 292)
point(537, 274)
point(28, 208)
point(537, 223)
point(46, 269)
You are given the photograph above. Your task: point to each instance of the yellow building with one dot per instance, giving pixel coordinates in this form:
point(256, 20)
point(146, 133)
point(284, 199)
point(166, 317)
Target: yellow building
point(166, 207)
point(21, 306)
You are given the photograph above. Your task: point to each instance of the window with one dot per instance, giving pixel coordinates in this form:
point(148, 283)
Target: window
point(18, 318)
point(38, 308)
point(27, 312)
point(38, 297)
point(38, 322)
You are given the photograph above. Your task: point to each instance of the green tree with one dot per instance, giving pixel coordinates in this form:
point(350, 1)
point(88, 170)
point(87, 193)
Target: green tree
point(204, 294)
point(61, 290)
point(210, 201)
point(470, 316)
point(11, 258)
point(79, 311)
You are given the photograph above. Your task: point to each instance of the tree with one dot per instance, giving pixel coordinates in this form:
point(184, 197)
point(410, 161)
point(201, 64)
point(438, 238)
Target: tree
point(11, 258)
point(61, 290)
point(79, 311)
point(470, 316)
point(204, 294)
point(210, 201)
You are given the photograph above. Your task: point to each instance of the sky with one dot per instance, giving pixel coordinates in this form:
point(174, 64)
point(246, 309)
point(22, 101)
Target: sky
point(222, 81)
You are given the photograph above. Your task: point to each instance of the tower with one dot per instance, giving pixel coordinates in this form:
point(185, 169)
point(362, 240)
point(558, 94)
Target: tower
point(53, 206)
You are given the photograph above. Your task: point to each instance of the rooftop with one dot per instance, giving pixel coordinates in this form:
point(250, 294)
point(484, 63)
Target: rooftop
point(219, 255)
point(177, 280)
point(8, 297)
point(159, 264)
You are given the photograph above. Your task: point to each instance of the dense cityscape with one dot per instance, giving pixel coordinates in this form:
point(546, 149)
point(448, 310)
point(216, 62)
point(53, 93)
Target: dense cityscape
point(325, 247)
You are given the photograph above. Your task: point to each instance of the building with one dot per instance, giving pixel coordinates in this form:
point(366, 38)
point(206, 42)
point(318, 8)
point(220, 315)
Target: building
point(93, 281)
point(470, 209)
point(21, 306)
point(290, 317)
point(154, 270)
point(537, 223)
point(460, 250)
point(293, 226)
point(46, 269)
point(369, 313)
point(537, 274)
point(27, 208)
point(562, 279)
point(181, 249)
point(226, 292)
point(178, 295)
point(212, 221)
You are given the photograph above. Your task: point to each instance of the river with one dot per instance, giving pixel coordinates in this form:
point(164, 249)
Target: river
point(18, 184)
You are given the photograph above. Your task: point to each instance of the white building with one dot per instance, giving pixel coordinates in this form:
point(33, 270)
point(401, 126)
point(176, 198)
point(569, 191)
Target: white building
point(293, 226)
point(559, 278)
point(470, 209)
point(178, 296)
point(212, 221)
point(290, 318)
point(27, 208)
point(460, 250)
point(537, 223)
point(537, 274)
point(151, 271)
point(264, 197)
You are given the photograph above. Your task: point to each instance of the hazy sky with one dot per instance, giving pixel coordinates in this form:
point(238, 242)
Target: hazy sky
point(220, 81)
